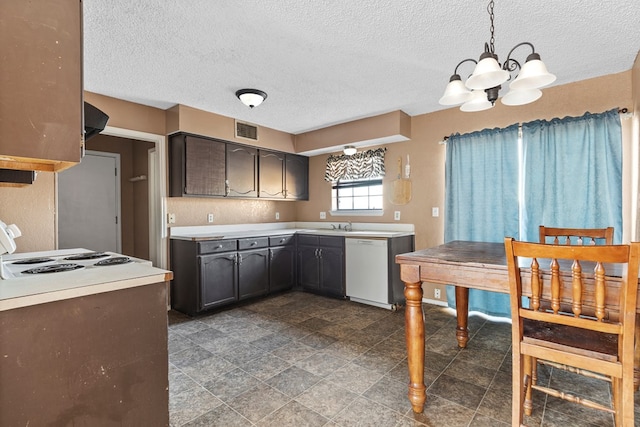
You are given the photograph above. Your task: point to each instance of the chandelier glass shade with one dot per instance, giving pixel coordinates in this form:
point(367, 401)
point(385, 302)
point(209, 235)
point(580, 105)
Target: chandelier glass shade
point(251, 97)
point(482, 88)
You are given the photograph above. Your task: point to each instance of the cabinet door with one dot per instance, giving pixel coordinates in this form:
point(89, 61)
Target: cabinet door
point(196, 166)
point(41, 83)
point(282, 268)
point(218, 279)
point(253, 273)
point(332, 271)
point(297, 177)
point(271, 182)
point(308, 267)
point(242, 171)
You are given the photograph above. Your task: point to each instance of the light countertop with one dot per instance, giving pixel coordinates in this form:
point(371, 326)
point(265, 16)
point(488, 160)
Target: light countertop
point(37, 289)
point(360, 230)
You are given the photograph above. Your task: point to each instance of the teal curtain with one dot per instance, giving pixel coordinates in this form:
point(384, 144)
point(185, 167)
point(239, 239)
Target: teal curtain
point(572, 173)
point(481, 199)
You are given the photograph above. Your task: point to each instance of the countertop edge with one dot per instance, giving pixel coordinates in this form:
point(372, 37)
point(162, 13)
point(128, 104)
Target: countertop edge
point(81, 291)
point(356, 234)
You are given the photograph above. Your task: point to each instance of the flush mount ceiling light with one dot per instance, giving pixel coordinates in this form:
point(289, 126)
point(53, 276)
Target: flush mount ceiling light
point(481, 89)
point(251, 97)
point(349, 150)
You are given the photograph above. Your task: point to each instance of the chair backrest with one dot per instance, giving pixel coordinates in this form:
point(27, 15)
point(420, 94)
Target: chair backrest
point(582, 236)
point(591, 279)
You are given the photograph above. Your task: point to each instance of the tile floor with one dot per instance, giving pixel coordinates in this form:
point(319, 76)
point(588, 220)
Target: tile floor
point(297, 359)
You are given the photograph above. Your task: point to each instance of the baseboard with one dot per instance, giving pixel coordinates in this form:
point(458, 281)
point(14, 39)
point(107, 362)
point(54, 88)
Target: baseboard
point(435, 302)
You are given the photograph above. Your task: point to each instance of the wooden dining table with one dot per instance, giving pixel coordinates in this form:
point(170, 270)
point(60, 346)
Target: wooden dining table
point(467, 265)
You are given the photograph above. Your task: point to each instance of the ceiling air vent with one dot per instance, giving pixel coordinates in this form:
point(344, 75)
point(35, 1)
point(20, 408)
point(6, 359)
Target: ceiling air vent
point(246, 131)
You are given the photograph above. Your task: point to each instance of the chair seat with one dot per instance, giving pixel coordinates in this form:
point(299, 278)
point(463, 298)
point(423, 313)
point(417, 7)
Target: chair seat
point(571, 339)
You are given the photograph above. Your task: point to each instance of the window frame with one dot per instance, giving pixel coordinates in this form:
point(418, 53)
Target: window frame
point(352, 184)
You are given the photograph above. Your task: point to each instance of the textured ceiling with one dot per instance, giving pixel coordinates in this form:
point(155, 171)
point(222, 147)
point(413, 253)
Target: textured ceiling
point(328, 62)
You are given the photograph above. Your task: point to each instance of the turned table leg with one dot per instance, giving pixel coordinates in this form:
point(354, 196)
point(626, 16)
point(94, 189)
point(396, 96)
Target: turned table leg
point(414, 327)
point(462, 314)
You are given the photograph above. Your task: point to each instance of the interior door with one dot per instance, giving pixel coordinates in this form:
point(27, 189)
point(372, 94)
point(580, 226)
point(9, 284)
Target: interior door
point(89, 204)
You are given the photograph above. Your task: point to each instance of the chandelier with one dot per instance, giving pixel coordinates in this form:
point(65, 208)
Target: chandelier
point(481, 89)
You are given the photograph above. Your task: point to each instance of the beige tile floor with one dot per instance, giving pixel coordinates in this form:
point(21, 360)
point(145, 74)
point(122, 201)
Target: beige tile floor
point(297, 359)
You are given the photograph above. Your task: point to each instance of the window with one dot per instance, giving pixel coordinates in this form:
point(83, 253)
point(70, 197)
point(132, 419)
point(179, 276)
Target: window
point(356, 182)
point(356, 194)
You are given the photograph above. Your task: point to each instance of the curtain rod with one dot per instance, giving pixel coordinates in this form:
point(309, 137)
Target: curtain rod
point(622, 111)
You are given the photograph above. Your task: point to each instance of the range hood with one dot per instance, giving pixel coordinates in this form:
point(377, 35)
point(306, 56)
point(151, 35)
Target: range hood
point(94, 121)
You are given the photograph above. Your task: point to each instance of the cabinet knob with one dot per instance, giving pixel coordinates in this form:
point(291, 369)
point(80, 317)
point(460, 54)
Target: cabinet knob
point(254, 243)
point(282, 240)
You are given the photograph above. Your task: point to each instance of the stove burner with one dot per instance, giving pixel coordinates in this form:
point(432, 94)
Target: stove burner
point(32, 261)
point(88, 255)
point(54, 268)
point(114, 261)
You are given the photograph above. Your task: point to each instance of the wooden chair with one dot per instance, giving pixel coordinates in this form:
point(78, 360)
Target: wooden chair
point(590, 278)
point(582, 235)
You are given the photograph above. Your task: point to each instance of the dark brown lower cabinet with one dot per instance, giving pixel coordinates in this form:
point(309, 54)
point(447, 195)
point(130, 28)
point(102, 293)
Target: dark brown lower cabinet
point(96, 360)
point(321, 264)
point(214, 273)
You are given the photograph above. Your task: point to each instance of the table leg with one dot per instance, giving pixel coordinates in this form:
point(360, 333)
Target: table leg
point(414, 327)
point(636, 358)
point(462, 314)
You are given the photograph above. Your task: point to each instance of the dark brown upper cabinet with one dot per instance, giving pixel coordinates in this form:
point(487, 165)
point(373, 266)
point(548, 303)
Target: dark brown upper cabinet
point(41, 125)
point(242, 171)
point(272, 167)
point(196, 166)
point(297, 177)
point(209, 167)
point(284, 176)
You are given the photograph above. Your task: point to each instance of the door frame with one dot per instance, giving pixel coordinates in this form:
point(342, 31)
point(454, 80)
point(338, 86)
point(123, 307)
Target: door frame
point(158, 188)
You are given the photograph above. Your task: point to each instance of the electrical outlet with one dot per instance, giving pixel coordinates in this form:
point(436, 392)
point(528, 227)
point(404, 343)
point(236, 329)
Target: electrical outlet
point(172, 218)
point(323, 215)
point(396, 215)
point(210, 217)
point(435, 212)
point(277, 216)
point(436, 293)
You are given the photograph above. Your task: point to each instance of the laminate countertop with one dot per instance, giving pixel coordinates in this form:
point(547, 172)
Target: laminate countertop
point(36, 289)
point(201, 235)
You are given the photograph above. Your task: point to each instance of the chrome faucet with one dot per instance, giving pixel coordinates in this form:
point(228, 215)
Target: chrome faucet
point(333, 226)
point(348, 227)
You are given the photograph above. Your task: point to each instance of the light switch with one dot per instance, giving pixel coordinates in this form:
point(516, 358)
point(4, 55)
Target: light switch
point(435, 212)
point(277, 216)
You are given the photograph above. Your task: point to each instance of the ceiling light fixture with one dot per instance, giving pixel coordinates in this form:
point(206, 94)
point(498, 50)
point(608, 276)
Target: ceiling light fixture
point(251, 97)
point(350, 150)
point(481, 89)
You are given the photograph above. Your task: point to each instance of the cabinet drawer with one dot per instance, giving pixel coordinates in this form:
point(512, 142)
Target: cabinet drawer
point(214, 246)
point(288, 239)
point(331, 241)
point(253, 243)
point(307, 239)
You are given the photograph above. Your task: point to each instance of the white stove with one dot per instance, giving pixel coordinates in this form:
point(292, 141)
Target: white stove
point(60, 262)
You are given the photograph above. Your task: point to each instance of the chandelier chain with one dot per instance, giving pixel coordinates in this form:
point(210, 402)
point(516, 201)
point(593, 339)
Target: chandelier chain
point(491, 27)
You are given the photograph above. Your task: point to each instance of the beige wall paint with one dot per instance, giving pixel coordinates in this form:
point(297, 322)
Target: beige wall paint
point(428, 156)
point(394, 124)
point(194, 211)
point(32, 209)
point(187, 119)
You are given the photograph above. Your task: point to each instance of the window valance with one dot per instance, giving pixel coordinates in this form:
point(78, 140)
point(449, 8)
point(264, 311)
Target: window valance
point(364, 164)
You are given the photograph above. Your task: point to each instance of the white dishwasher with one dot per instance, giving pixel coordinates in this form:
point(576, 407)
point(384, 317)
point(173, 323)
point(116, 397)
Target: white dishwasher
point(367, 271)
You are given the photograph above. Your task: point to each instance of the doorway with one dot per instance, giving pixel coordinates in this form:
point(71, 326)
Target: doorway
point(143, 193)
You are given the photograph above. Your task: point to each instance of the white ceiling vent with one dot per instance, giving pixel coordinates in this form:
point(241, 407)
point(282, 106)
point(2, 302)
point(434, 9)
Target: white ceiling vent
point(246, 131)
